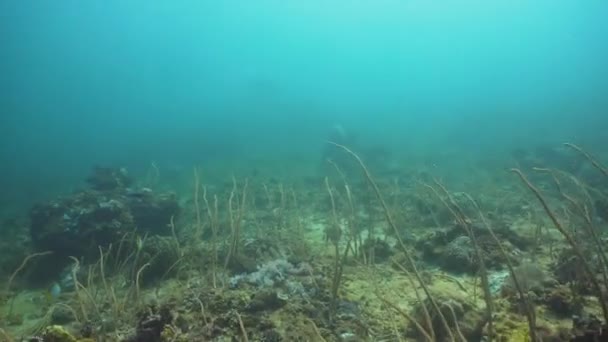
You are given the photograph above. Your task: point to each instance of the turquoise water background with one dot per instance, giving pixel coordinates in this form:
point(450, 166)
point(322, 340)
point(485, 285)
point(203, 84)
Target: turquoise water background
point(182, 83)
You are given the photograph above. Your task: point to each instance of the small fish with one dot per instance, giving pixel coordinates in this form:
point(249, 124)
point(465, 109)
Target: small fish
point(139, 243)
point(54, 292)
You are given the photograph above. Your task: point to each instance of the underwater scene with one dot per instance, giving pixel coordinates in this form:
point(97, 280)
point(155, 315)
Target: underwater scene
point(287, 170)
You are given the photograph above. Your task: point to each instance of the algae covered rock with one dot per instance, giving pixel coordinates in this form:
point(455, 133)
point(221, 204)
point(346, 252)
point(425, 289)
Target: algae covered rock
point(76, 225)
point(56, 333)
point(70, 226)
point(152, 325)
point(453, 249)
point(162, 255)
point(460, 315)
point(109, 179)
point(531, 278)
point(563, 301)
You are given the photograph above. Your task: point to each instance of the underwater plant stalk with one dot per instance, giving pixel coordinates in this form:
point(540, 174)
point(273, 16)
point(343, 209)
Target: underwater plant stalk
point(232, 228)
point(202, 309)
point(109, 291)
point(119, 250)
point(77, 289)
point(268, 197)
point(575, 247)
point(22, 266)
point(282, 208)
point(529, 309)
point(80, 289)
point(235, 220)
point(137, 287)
point(391, 222)
point(242, 327)
point(456, 325)
point(171, 268)
point(296, 207)
point(68, 308)
point(354, 233)
point(139, 245)
point(5, 336)
point(199, 226)
point(316, 329)
point(178, 247)
point(459, 215)
point(583, 211)
point(592, 160)
point(409, 317)
point(352, 223)
point(333, 234)
point(14, 274)
point(213, 223)
point(121, 265)
point(425, 310)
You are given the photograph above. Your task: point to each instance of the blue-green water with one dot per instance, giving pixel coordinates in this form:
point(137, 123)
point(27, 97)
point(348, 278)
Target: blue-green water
point(183, 83)
point(167, 171)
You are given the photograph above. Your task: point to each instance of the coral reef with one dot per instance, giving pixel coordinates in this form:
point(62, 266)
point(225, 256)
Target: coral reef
point(453, 250)
point(152, 325)
point(78, 224)
point(272, 273)
point(461, 316)
point(322, 259)
point(107, 179)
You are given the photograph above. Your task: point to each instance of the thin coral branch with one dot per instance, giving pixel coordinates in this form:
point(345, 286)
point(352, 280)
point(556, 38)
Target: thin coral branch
point(391, 222)
point(242, 327)
point(592, 160)
point(460, 216)
point(571, 241)
point(137, 288)
point(22, 266)
point(529, 308)
point(19, 269)
point(5, 336)
point(409, 317)
point(316, 329)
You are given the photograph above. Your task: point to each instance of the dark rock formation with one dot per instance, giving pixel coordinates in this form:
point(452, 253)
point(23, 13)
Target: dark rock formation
point(78, 224)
